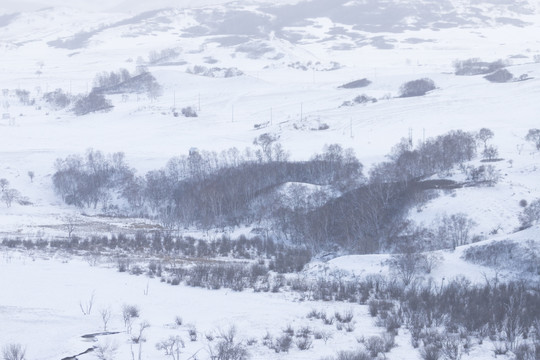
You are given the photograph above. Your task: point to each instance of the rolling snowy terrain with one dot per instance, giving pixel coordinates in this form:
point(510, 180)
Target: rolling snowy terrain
point(250, 69)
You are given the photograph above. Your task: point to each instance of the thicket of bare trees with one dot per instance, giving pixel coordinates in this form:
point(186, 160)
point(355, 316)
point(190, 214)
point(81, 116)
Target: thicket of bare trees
point(92, 179)
point(207, 189)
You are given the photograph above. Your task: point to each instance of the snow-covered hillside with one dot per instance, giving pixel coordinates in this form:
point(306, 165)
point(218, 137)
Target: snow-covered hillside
point(249, 68)
point(290, 85)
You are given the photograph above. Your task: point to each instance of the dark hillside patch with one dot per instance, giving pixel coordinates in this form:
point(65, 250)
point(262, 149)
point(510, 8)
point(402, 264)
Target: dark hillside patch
point(356, 84)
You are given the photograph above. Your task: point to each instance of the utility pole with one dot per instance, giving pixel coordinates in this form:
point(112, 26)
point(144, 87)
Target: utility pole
point(232, 114)
point(301, 111)
point(199, 101)
point(351, 128)
point(271, 116)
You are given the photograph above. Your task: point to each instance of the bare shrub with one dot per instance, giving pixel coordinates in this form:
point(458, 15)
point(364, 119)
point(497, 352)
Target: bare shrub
point(345, 317)
point(189, 112)
point(106, 350)
point(389, 340)
point(375, 345)
point(282, 343)
point(289, 330)
point(192, 332)
point(304, 343)
point(13, 352)
point(129, 313)
point(451, 348)
point(172, 346)
point(527, 352)
point(353, 355)
point(323, 335)
point(390, 320)
point(430, 352)
point(500, 347)
point(375, 306)
point(303, 332)
point(225, 350)
point(86, 307)
point(105, 315)
point(139, 336)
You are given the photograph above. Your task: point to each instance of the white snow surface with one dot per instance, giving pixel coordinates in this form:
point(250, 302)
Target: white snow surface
point(39, 298)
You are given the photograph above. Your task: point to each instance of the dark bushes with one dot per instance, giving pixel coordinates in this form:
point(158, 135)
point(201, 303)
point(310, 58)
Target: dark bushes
point(90, 103)
point(475, 66)
point(356, 84)
point(416, 87)
point(500, 76)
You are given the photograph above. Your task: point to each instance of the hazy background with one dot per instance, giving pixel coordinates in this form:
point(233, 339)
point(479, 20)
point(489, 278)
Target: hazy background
point(116, 5)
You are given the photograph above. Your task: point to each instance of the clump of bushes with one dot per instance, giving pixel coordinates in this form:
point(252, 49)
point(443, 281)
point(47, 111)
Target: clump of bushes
point(93, 102)
point(360, 99)
point(356, 84)
point(417, 87)
point(500, 76)
point(57, 99)
point(475, 66)
point(189, 112)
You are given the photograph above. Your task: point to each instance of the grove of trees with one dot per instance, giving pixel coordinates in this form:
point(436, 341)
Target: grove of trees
point(320, 203)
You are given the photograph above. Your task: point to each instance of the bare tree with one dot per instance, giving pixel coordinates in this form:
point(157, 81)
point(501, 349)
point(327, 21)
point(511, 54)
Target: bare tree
point(484, 135)
point(531, 214)
point(129, 313)
point(70, 224)
point(407, 265)
point(4, 183)
point(454, 230)
point(86, 307)
point(266, 141)
point(139, 339)
point(105, 314)
point(31, 176)
point(490, 153)
point(534, 136)
point(9, 195)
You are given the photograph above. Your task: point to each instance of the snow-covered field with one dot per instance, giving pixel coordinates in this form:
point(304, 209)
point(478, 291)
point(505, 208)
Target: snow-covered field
point(43, 298)
point(293, 63)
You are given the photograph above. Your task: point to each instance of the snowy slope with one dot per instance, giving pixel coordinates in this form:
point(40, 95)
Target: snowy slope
point(286, 87)
point(294, 56)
